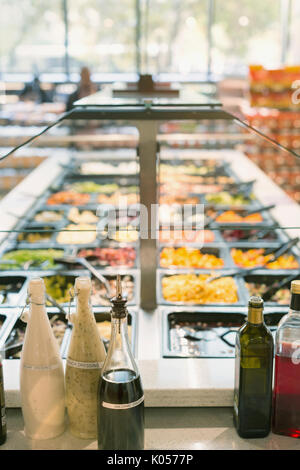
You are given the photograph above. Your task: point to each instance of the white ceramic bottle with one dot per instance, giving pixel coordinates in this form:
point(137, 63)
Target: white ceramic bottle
point(86, 356)
point(41, 371)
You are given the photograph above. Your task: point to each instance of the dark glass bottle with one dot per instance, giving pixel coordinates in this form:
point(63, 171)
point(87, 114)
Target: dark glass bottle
point(2, 408)
point(286, 404)
point(253, 374)
point(120, 391)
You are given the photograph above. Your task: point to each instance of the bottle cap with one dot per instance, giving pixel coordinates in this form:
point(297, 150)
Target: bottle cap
point(256, 301)
point(255, 309)
point(295, 287)
point(83, 283)
point(119, 309)
point(37, 290)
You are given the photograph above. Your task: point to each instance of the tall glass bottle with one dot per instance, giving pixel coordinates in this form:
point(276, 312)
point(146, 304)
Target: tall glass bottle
point(253, 374)
point(2, 407)
point(41, 371)
point(84, 363)
point(120, 392)
point(286, 402)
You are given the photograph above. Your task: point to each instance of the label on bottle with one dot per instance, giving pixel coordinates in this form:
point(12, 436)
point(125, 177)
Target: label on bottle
point(42, 367)
point(122, 406)
point(85, 365)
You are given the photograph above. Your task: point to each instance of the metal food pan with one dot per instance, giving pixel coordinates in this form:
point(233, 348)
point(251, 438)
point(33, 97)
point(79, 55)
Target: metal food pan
point(217, 239)
point(109, 273)
point(19, 325)
point(101, 315)
point(268, 279)
point(175, 345)
point(267, 221)
point(6, 278)
point(163, 272)
point(212, 346)
point(20, 271)
point(220, 168)
point(122, 180)
point(251, 245)
point(220, 251)
point(113, 162)
point(280, 237)
point(107, 266)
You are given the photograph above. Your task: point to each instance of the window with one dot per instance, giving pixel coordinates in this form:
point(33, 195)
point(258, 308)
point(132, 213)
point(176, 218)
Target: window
point(245, 32)
point(102, 35)
point(32, 36)
point(174, 36)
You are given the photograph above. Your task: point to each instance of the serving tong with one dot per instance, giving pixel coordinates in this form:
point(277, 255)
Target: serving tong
point(72, 259)
point(242, 272)
point(274, 287)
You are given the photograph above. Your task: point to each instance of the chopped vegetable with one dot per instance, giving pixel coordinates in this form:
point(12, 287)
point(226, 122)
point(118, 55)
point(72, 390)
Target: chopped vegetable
point(189, 258)
point(192, 288)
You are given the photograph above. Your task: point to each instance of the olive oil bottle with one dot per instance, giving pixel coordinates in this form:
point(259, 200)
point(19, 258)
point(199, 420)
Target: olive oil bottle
point(253, 374)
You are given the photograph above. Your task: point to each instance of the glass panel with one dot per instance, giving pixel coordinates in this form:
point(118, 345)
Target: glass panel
point(102, 35)
point(32, 36)
point(245, 32)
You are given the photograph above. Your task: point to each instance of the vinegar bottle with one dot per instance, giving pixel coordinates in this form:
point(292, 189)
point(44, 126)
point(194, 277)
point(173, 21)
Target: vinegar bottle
point(84, 362)
point(253, 374)
point(120, 393)
point(286, 403)
point(2, 407)
point(41, 371)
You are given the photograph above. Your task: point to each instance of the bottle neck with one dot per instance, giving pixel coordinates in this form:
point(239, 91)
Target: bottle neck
point(119, 355)
point(295, 303)
point(83, 305)
point(255, 316)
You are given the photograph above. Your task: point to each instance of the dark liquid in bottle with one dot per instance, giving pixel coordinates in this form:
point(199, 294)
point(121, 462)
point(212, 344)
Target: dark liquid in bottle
point(254, 403)
point(120, 429)
point(286, 407)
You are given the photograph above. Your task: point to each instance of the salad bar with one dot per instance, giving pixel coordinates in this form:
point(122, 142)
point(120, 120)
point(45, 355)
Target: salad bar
point(187, 284)
point(203, 280)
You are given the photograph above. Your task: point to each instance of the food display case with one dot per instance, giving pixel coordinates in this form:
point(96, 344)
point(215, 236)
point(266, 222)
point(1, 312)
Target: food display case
point(183, 320)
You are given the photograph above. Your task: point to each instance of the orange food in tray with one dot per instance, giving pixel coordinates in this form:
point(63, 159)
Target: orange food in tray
point(235, 217)
point(193, 288)
point(255, 257)
point(68, 197)
point(186, 236)
point(189, 258)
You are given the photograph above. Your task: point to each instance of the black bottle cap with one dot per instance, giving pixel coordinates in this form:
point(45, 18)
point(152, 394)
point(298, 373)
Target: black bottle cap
point(119, 309)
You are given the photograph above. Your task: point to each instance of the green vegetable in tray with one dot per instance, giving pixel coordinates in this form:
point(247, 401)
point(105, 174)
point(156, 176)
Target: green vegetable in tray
point(36, 258)
point(58, 287)
point(227, 199)
point(91, 187)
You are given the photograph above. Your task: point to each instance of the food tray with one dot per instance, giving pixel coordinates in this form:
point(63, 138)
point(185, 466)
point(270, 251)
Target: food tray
point(16, 294)
point(267, 221)
point(280, 237)
point(164, 272)
point(72, 274)
point(247, 246)
point(212, 346)
point(103, 314)
point(218, 250)
point(75, 171)
point(268, 279)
